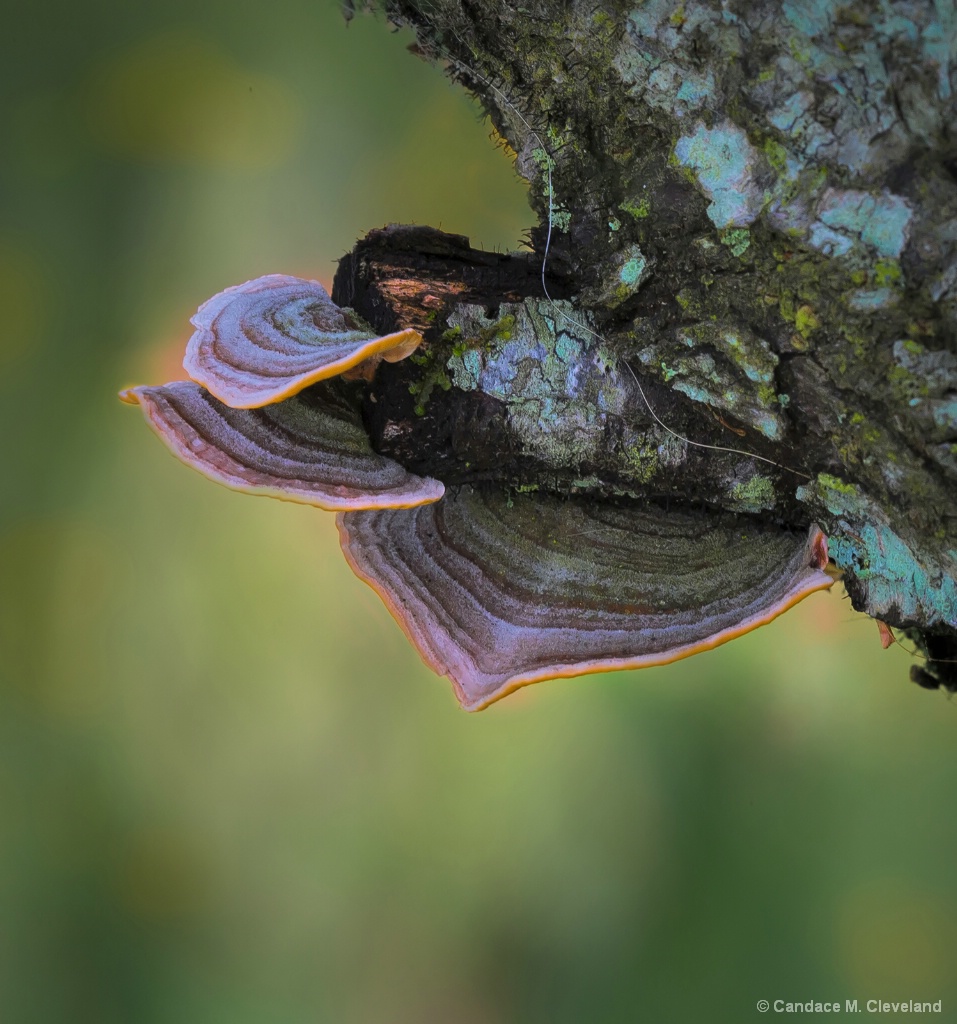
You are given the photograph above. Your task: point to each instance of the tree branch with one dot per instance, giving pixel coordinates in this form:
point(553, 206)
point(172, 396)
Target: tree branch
point(752, 209)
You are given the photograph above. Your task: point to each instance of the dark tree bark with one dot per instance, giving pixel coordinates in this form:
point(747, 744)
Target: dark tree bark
point(753, 213)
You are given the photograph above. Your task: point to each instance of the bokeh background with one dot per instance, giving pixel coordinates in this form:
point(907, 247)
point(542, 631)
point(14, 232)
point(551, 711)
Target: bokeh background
point(229, 791)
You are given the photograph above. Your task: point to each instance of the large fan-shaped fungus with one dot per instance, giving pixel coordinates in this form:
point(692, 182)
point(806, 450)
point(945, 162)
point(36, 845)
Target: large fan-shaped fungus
point(496, 589)
point(497, 592)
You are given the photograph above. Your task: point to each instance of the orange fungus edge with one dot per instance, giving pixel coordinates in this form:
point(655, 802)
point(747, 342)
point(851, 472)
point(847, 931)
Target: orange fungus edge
point(403, 349)
point(392, 607)
point(176, 445)
point(651, 661)
point(235, 398)
point(822, 582)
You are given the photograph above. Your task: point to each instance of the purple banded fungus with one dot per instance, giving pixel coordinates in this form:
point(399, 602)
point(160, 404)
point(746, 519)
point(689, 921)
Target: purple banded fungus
point(260, 342)
point(495, 590)
point(311, 448)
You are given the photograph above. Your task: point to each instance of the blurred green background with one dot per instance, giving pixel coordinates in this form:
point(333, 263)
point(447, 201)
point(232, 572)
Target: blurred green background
point(229, 791)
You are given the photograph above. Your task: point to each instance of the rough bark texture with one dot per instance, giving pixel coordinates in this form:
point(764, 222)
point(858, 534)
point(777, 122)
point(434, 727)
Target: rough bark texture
point(754, 217)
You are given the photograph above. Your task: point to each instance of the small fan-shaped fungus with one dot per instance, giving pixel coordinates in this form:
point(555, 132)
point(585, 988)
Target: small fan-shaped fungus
point(265, 340)
point(311, 448)
point(498, 592)
point(494, 591)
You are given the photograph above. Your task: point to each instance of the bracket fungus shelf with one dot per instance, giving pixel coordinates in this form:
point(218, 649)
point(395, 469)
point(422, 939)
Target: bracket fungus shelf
point(310, 448)
point(265, 340)
point(499, 591)
point(496, 586)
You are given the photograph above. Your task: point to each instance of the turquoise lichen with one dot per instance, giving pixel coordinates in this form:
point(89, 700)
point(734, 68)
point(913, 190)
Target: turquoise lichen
point(644, 20)
point(828, 241)
point(669, 85)
point(896, 583)
point(466, 369)
point(631, 271)
point(870, 300)
point(556, 379)
point(695, 90)
point(806, 320)
point(724, 165)
point(786, 115)
point(945, 415)
point(727, 368)
point(679, 86)
point(810, 17)
point(849, 219)
point(938, 39)
point(625, 275)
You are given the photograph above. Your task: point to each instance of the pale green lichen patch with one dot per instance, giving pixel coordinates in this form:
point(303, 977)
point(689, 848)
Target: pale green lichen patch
point(754, 495)
point(637, 208)
point(737, 240)
point(887, 273)
point(724, 164)
point(728, 368)
point(645, 455)
point(836, 495)
point(561, 218)
point(806, 320)
point(556, 379)
point(559, 214)
point(434, 376)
